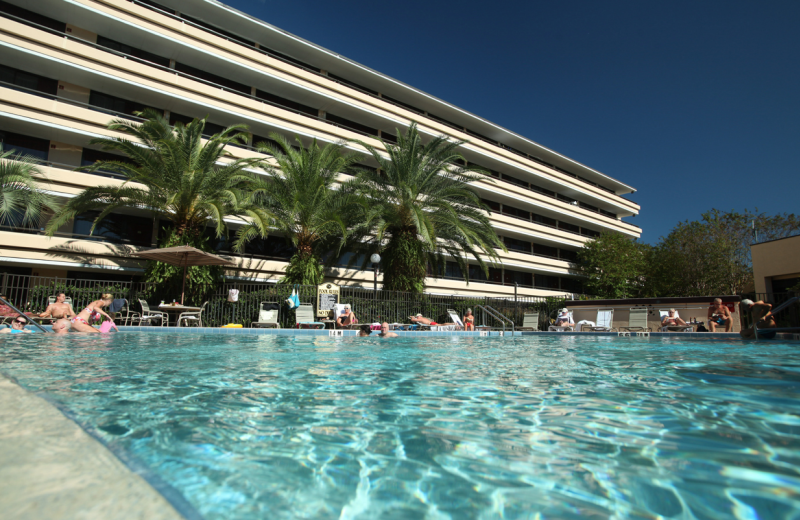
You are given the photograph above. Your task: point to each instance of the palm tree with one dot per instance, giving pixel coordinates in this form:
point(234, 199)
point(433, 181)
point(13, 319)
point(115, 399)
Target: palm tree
point(174, 175)
point(22, 202)
point(422, 207)
point(312, 215)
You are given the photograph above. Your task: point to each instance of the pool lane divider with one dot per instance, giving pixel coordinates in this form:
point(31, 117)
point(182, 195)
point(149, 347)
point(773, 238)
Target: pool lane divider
point(175, 498)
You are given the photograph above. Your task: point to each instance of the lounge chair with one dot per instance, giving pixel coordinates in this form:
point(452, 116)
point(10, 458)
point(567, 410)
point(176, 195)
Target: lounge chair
point(52, 299)
point(530, 321)
point(562, 328)
point(637, 321)
point(673, 328)
point(605, 318)
point(192, 316)
point(125, 315)
point(268, 316)
point(304, 317)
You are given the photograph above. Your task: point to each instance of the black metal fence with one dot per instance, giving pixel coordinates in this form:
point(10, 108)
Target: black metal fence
point(31, 293)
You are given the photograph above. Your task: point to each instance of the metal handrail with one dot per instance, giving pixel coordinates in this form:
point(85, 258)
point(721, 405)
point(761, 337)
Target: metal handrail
point(23, 314)
point(494, 313)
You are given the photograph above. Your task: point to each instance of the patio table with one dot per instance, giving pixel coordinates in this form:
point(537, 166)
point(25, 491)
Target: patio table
point(177, 309)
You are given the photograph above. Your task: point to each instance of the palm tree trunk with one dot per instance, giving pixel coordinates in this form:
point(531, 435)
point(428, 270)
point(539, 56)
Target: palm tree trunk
point(404, 267)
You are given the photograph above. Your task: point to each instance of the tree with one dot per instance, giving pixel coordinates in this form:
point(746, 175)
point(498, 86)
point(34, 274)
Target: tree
point(22, 202)
point(316, 218)
point(613, 265)
point(174, 175)
point(420, 204)
point(712, 256)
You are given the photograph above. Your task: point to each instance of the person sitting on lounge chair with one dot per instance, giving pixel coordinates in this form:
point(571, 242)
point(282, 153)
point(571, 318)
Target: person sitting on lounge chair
point(671, 319)
point(346, 318)
point(59, 309)
point(469, 320)
point(564, 319)
point(762, 317)
point(419, 319)
point(718, 314)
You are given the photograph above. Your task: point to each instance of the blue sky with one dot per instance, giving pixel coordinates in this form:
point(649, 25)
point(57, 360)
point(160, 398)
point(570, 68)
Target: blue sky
point(695, 104)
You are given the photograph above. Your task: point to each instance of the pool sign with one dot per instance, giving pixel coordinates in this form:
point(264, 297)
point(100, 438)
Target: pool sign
point(327, 298)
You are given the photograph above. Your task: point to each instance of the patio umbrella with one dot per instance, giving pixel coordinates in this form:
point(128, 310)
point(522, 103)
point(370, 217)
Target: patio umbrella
point(183, 256)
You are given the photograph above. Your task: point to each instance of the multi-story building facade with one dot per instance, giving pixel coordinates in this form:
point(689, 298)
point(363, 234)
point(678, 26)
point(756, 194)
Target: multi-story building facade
point(68, 67)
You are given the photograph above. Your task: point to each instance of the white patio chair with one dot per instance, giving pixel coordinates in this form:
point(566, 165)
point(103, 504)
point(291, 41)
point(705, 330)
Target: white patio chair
point(268, 316)
point(149, 316)
point(193, 316)
point(304, 317)
point(637, 320)
point(530, 321)
point(605, 317)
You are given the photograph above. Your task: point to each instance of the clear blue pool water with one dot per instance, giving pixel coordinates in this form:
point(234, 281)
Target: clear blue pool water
point(530, 427)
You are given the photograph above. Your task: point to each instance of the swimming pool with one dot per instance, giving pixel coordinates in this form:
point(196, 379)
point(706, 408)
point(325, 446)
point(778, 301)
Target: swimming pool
point(317, 427)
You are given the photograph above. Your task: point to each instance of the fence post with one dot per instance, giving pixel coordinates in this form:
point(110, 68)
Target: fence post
point(5, 282)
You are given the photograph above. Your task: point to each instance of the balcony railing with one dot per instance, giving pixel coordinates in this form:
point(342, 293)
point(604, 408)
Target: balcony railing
point(309, 69)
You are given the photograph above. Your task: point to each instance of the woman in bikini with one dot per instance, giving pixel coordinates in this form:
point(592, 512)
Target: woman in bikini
point(469, 320)
point(83, 321)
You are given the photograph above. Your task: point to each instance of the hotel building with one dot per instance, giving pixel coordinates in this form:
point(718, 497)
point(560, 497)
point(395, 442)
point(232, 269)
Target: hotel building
point(67, 67)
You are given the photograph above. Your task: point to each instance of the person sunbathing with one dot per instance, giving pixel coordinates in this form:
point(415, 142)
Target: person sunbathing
point(762, 317)
point(671, 319)
point(346, 318)
point(58, 309)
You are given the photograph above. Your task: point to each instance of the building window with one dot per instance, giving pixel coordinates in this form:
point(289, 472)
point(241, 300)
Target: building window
point(212, 78)
point(546, 282)
point(26, 80)
point(352, 125)
point(30, 16)
point(209, 130)
point(521, 278)
point(572, 228)
point(569, 256)
point(543, 250)
point(287, 103)
point(517, 245)
point(514, 180)
point(115, 104)
point(116, 228)
point(516, 212)
point(545, 221)
point(25, 145)
point(90, 156)
point(132, 51)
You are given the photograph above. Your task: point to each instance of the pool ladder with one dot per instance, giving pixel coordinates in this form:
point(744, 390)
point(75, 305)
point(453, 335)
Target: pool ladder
point(494, 313)
point(778, 309)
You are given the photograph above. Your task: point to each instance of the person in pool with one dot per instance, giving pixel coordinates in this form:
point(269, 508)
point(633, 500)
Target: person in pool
point(62, 326)
point(385, 333)
point(718, 314)
point(82, 322)
point(17, 326)
point(364, 331)
point(762, 316)
point(59, 309)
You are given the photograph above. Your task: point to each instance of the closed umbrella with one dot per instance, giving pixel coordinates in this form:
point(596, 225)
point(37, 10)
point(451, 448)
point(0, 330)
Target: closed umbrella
point(183, 256)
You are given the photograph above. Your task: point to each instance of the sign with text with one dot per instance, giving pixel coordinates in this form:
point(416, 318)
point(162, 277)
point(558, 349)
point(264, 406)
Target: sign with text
point(327, 297)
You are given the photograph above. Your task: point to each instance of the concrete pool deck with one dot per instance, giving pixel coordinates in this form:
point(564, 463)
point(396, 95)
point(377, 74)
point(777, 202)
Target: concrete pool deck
point(51, 468)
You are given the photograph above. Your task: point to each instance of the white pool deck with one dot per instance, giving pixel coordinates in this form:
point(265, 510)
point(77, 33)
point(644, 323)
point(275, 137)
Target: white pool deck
point(52, 469)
